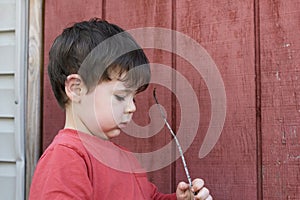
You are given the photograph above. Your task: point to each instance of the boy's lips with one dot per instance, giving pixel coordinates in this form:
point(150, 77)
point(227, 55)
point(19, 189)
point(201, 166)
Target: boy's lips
point(123, 124)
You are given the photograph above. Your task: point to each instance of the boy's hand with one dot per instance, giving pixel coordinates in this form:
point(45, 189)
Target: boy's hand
point(184, 192)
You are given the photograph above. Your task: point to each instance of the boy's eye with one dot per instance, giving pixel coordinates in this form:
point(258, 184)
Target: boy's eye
point(120, 98)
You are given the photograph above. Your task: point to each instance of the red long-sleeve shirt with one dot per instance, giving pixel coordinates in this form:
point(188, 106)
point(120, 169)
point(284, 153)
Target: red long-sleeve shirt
point(80, 166)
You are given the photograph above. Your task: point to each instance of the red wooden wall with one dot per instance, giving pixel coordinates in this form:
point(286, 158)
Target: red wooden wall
point(255, 45)
point(280, 122)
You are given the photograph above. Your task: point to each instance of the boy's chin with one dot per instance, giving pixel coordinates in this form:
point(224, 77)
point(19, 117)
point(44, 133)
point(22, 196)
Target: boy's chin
point(113, 133)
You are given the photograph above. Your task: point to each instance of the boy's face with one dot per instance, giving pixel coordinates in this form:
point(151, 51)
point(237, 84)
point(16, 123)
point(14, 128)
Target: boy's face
point(105, 110)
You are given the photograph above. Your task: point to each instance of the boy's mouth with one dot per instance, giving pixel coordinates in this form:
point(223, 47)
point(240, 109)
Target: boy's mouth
point(123, 124)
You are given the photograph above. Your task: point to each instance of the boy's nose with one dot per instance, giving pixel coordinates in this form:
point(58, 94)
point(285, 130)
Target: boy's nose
point(130, 108)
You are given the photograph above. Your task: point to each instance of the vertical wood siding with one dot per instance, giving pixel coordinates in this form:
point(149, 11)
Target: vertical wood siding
point(280, 72)
point(59, 15)
point(140, 14)
point(226, 30)
point(255, 45)
point(34, 85)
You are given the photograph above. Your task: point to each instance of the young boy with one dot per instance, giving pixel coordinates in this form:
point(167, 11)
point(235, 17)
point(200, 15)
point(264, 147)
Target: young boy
point(96, 69)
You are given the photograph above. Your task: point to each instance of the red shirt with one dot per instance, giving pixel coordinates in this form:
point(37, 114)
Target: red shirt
point(80, 166)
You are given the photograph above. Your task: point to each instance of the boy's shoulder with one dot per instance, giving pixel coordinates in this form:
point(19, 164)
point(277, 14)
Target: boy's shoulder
point(67, 139)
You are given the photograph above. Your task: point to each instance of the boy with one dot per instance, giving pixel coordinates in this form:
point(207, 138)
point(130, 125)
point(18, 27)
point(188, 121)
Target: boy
point(95, 70)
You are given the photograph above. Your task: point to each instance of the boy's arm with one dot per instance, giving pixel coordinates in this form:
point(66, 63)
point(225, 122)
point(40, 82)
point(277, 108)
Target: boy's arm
point(61, 174)
point(160, 196)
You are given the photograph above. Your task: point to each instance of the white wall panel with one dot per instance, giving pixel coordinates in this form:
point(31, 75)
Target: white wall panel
point(12, 98)
point(7, 105)
point(7, 125)
point(7, 12)
point(7, 180)
point(7, 147)
point(7, 38)
point(7, 82)
point(7, 59)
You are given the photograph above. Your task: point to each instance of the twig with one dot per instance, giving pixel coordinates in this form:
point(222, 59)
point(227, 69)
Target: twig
point(176, 140)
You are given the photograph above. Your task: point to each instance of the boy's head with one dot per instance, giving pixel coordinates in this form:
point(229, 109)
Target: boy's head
point(98, 52)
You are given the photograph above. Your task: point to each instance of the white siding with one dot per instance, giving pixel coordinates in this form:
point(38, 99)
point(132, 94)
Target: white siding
point(8, 180)
point(7, 55)
point(12, 98)
point(7, 12)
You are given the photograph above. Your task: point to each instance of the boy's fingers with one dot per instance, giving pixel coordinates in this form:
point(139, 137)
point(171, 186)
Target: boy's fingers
point(197, 185)
point(208, 198)
point(183, 191)
point(183, 186)
point(203, 194)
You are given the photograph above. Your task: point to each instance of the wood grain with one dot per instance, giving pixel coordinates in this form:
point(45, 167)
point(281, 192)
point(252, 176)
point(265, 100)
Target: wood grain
point(226, 30)
point(34, 84)
point(280, 72)
point(58, 16)
point(255, 45)
point(139, 14)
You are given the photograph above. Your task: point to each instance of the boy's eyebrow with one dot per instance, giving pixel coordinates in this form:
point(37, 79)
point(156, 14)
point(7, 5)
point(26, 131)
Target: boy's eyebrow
point(126, 90)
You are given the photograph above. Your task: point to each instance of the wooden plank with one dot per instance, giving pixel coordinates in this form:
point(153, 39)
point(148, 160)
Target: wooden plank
point(258, 100)
point(149, 14)
point(280, 71)
point(66, 12)
point(7, 12)
point(34, 71)
point(226, 30)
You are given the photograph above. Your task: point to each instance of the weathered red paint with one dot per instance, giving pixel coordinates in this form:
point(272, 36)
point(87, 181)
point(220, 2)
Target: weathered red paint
point(255, 45)
point(136, 15)
point(226, 30)
point(59, 15)
point(280, 72)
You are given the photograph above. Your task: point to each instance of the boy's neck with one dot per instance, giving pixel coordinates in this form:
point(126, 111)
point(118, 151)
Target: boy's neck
point(72, 121)
point(69, 118)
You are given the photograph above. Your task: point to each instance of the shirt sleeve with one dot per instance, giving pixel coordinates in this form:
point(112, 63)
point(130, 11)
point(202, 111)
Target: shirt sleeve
point(61, 174)
point(160, 196)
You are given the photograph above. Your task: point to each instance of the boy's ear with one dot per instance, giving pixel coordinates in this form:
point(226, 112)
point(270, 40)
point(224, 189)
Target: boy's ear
point(75, 87)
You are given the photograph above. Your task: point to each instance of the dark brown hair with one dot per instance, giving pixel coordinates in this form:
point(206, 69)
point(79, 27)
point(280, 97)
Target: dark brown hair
point(96, 50)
